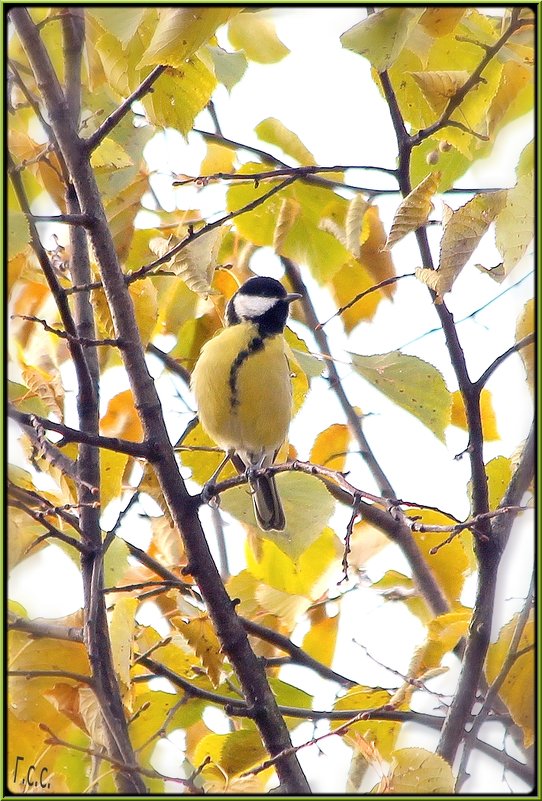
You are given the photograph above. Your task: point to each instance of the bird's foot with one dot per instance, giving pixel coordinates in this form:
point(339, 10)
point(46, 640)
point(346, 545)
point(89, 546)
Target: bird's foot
point(209, 496)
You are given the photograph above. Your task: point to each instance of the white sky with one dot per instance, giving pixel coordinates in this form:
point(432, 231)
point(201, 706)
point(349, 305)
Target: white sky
point(325, 95)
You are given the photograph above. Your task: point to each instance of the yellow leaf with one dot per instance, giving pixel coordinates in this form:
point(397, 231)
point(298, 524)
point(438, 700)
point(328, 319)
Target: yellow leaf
point(196, 262)
point(499, 473)
point(46, 385)
point(179, 95)
point(200, 635)
point(121, 212)
point(273, 131)
point(289, 210)
point(145, 300)
point(177, 304)
point(65, 698)
point(514, 78)
point(121, 631)
point(414, 210)
point(320, 640)
point(524, 327)
point(354, 225)
point(438, 86)
point(112, 466)
point(381, 36)
point(463, 232)
point(419, 772)
point(515, 222)
point(440, 20)
point(110, 155)
point(365, 543)
point(92, 715)
point(331, 447)
point(121, 418)
point(307, 576)
point(150, 484)
point(394, 587)
point(450, 563)
point(372, 256)
point(235, 752)
point(443, 634)
point(217, 159)
point(300, 380)
point(286, 607)
point(517, 690)
point(411, 383)
point(181, 31)
point(489, 421)
point(255, 34)
point(349, 282)
point(381, 734)
point(26, 699)
point(305, 241)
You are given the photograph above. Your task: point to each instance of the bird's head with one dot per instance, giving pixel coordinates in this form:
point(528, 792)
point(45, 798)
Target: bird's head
point(262, 301)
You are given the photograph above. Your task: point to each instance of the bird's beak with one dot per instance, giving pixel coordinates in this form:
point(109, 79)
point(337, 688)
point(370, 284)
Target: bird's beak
point(291, 296)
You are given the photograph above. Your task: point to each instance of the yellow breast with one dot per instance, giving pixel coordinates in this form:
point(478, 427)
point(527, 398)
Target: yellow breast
point(249, 407)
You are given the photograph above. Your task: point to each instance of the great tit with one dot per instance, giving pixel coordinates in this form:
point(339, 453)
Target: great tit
point(243, 389)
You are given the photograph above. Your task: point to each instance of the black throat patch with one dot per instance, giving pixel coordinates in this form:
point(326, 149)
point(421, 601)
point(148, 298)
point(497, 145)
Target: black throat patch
point(254, 345)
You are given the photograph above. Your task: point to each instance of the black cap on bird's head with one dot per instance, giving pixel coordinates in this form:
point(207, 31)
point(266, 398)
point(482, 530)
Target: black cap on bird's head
point(262, 301)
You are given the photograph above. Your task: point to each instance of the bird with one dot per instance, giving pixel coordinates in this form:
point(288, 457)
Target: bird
point(242, 386)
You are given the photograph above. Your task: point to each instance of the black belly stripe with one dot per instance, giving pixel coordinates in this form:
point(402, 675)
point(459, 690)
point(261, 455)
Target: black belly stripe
point(254, 345)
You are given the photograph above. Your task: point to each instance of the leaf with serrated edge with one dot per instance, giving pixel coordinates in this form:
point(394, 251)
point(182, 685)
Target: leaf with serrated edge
point(181, 31)
point(414, 210)
point(276, 133)
point(514, 226)
point(517, 690)
point(438, 86)
point(463, 232)
point(413, 384)
point(381, 37)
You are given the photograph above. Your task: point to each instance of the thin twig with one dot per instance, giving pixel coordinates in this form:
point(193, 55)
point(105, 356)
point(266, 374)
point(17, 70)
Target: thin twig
point(115, 117)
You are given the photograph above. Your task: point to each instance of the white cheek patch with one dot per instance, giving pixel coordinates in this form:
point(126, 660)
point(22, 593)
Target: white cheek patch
point(250, 306)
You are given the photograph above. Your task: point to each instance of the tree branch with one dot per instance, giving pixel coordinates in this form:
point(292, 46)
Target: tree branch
point(137, 449)
point(115, 117)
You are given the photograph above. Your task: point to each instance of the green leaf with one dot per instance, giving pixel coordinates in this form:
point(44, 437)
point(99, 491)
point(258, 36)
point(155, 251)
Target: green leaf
point(182, 31)
point(25, 400)
point(121, 631)
point(18, 233)
point(229, 67)
point(255, 34)
point(305, 241)
point(307, 507)
point(382, 35)
point(411, 383)
point(273, 131)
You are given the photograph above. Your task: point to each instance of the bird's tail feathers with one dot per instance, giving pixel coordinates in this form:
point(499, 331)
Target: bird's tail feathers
point(267, 506)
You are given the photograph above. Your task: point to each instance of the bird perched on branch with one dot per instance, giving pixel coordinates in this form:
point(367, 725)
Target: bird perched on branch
point(243, 388)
